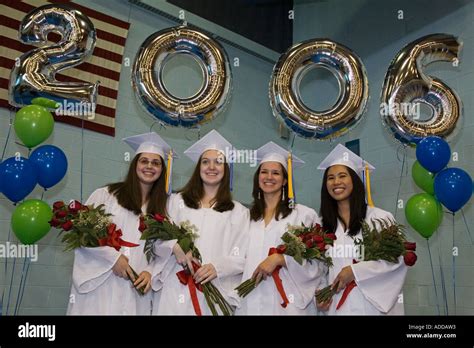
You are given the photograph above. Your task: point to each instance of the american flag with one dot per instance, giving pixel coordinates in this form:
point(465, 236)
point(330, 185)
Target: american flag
point(104, 65)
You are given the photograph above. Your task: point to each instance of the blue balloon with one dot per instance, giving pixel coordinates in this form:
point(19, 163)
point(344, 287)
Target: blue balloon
point(433, 153)
point(19, 178)
point(453, 188)
point(51, 165)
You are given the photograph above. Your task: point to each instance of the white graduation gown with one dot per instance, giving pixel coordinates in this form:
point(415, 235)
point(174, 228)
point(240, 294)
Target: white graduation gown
point(299, 281)
point(96, 290)
point(379, 283)
point(222, 242)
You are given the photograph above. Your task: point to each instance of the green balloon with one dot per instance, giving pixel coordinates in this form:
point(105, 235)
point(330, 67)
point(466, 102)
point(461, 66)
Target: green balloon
point(47, 103)
point(423, 178)
point(33, 125)
point(424, 213)
point(30, 220)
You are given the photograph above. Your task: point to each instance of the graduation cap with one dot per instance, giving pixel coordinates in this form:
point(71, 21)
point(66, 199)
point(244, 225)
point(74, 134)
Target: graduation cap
point(341, 155)
point(153, 143)
point(271, 152)
point(212, 141)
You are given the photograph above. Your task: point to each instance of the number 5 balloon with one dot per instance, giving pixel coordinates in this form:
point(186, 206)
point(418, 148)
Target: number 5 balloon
point(405, 85)
point(34, 74)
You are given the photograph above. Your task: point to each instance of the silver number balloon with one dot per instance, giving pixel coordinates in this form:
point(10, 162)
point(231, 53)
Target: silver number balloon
point(406, 85)
point(285, 97)
point(34, 72)
point(150, 89)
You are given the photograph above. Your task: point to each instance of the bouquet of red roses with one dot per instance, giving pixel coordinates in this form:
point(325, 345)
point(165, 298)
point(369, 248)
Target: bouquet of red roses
point(157, 227)
point(387, 243)
point(301, 243)
point(88, 226)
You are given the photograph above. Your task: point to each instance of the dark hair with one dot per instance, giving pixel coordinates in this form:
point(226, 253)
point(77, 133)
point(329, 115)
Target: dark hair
point(129, 194)
point(193, 191)
point(358, 207)
point(258, 205)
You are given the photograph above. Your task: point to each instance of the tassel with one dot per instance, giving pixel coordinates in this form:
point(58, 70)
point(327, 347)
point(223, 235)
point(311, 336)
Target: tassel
point(169, 171)
point(291, 195)
point(367, 179)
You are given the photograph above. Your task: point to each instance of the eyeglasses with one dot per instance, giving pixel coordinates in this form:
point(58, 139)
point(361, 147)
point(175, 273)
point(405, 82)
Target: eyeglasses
point(146, 162)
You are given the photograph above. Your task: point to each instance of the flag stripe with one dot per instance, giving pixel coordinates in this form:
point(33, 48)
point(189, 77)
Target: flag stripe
point(104, 90)
point(54, 38)
point(98, 70)
point(97, 15)
point(25, 7)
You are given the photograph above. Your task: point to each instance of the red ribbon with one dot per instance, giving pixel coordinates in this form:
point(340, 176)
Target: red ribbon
point(114, 239)
point(347, 290)
point(277, 279)
point(186, 278)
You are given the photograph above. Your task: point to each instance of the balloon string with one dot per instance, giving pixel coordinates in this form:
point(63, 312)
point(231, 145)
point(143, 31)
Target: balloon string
point(432, 273)
point(11, 284)
point(8, 137)
point(5, 273)
point(21, 288)
point(443, 283)
point(467, 226)
point(454, 271)
point(400, 181)
point(293, 141)
point(24, 284)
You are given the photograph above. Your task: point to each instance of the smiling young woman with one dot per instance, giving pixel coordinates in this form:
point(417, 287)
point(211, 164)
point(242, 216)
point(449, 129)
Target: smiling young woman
point(101, 275)
point(270, 214)
point(343, 209)
point(206, 202)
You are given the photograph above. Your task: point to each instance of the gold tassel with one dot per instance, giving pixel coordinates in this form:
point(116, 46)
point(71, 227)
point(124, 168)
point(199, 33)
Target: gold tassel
point(291, 195)
point(367, 184)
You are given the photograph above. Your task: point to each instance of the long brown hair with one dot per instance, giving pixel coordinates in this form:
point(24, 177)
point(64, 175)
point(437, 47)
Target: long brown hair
point(193, 191)
point(258, 205)
point(129, 194)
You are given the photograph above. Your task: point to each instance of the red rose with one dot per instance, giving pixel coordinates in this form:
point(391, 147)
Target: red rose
point(331, 236)
point(318, 227)
point(409, 258)
point(410, 246)
point(143, 225)
point(159, 217)
point(67, 225)
point(58, 205)
point(321, 247)
point(281, 249)
point(55, 222)
point(309, 243)
point(318, 239)
point(75, 206)
point(61, 214)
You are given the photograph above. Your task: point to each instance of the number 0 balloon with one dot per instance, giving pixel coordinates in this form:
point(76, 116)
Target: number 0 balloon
point(150, 90)
point(285, 97)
